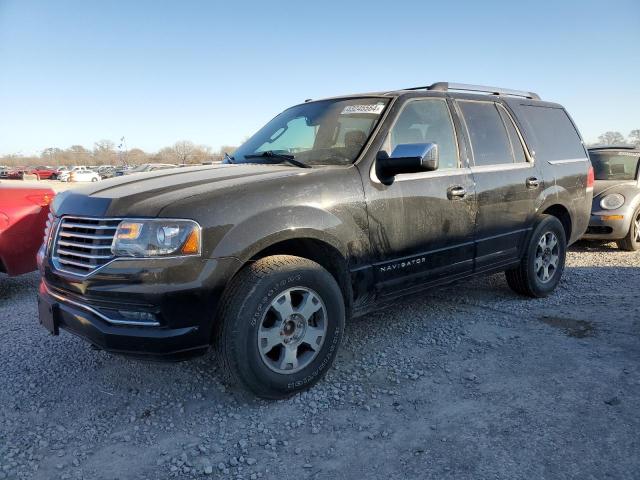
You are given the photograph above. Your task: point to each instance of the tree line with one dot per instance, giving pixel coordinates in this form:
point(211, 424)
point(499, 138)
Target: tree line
point(613, 138)
point(105, 152)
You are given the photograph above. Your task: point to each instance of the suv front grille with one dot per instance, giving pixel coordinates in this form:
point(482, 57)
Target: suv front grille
point(83, 244)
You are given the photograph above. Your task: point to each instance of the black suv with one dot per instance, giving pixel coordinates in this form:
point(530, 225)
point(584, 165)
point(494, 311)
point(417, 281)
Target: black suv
point(335, 207)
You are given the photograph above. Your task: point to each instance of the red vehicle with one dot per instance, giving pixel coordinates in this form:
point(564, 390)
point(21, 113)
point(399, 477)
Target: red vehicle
point(43, 173)
point(23, 217)
point(16, 173)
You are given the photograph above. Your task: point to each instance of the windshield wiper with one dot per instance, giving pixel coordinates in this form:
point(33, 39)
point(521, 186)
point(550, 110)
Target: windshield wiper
point(228, 158)
point(281, 156)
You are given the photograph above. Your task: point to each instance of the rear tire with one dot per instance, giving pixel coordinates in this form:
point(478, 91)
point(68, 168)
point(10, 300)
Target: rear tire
point(279, 326)
point(542, 265)
point(631, 242)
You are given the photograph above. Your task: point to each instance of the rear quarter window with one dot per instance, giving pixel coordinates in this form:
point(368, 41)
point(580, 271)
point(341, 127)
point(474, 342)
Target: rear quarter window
point(552, 133)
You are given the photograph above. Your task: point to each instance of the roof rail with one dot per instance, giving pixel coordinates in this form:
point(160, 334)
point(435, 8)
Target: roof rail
point(446, 86)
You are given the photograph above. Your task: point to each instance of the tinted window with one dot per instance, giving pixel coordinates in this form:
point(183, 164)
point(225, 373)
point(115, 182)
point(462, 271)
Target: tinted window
point(516, 144)
point(426, 121)
point(554, 136)
point(327, 132)
point(489, 141)
point(614, 165)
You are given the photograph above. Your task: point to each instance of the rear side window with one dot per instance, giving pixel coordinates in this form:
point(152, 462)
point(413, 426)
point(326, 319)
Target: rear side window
point(516, 145)
point(489, 138)
point(553, 134)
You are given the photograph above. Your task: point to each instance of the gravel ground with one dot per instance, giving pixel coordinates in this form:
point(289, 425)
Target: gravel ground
point(466, 382)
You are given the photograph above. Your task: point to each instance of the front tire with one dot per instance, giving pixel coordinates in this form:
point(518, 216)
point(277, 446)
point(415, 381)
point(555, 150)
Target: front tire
point(280, 325)
point(631, 242)
point(542, 265)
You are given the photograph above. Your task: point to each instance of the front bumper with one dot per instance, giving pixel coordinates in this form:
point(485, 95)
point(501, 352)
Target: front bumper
point(603, 228)
point(178, 298)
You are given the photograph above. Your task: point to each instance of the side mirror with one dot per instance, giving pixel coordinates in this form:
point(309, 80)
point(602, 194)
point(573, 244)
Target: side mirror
point(407, 158)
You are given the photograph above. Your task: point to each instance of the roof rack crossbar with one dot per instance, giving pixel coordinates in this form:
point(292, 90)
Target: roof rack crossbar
point(446, 86)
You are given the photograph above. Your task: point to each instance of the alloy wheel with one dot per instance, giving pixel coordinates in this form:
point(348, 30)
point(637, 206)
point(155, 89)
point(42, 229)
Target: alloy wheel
point(292, 330)
point(547, 257)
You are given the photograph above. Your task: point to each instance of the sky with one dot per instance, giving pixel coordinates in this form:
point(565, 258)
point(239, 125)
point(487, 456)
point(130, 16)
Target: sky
point(155, 72)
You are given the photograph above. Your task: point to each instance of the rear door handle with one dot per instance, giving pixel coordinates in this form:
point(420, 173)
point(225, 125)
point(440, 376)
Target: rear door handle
point(457, 191)
point(533, 182)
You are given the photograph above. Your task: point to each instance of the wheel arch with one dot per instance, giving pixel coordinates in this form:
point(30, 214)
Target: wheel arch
point(561, 213)
point(311, 245)
point(318, 250)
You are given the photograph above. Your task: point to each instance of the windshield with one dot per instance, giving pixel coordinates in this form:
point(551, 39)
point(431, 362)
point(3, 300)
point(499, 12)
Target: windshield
point(614, 165)
point(328, 132)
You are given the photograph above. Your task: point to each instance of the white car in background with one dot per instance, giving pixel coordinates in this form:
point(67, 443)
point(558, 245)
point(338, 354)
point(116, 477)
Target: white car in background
point(65, 175)
point(84, 176)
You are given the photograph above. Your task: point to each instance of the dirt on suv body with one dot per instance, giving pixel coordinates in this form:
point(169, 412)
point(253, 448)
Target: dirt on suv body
point(332, 209)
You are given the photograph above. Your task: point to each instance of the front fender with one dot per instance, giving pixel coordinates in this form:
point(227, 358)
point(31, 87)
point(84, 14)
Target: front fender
point(247, 238)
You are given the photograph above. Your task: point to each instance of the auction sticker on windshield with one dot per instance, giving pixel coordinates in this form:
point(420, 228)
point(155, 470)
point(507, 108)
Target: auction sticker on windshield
point(350, 109)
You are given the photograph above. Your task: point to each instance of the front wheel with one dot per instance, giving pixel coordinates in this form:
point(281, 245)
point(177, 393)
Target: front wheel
point(542, 265)
point(280, 325)
point(631, 242)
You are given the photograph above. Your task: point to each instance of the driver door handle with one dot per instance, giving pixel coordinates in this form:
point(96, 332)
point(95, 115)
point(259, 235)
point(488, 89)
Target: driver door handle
point(533, 182)
point(455, 192)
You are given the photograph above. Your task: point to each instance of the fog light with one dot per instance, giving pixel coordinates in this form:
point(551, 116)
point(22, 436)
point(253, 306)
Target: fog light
point(138, 316)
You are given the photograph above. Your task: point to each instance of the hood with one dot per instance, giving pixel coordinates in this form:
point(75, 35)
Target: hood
point(146, 194)
point(613, 186)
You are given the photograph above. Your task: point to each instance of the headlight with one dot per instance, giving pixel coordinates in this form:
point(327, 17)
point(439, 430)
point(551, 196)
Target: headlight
point(612, 201)
point(157, 238)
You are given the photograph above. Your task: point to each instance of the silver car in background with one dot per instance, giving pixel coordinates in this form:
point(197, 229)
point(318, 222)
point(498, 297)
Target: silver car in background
point(615, 213)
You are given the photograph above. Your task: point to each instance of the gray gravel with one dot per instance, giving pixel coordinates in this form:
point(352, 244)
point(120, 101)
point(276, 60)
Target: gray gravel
point(466, 382)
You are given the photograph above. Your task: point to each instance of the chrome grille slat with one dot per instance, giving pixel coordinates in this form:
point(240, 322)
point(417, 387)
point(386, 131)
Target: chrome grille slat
point(75, 253)
point(76, 264)
point(86, 235)
point(87, 226)
point(90, 246)
point(83, 244)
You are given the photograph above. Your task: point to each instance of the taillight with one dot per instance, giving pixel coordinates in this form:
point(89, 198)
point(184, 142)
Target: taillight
point(41, 199)
point(591, 178)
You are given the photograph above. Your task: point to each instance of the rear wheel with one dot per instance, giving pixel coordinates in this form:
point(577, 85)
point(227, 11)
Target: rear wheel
point(280, 325)
point(542, 265)
point(631, 242)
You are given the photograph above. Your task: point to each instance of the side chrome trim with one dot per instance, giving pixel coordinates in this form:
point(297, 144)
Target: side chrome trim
point(501, 168)
point(403, 177)
point(64, 299)
point(570, 160)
